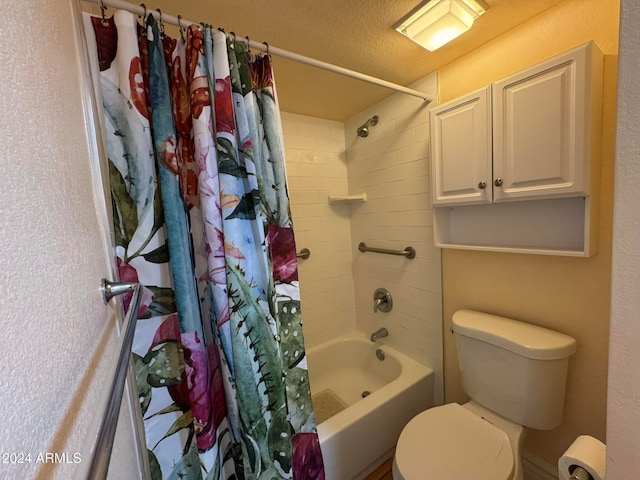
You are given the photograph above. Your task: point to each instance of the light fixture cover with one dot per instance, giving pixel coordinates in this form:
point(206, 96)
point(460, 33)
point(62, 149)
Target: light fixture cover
point(436, 22)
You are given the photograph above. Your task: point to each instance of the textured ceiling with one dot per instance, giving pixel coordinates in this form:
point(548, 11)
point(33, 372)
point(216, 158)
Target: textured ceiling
point(355, 34)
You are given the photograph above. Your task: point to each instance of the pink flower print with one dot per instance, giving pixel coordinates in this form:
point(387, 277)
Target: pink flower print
point(219, 400)
point(224, 106)
point(128, 274)
point(136, 84)
point(195, 48)
point(170, 330)
point(191, 187)
point(203, 389)
point(169, 157)
point(282, 247)
point(306, 458)
point(196, 367)
point(261, 72)
point(215, 250)
point(199, 90)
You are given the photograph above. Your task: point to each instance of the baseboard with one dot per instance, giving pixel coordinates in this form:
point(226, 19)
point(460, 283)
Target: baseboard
point(532, 468)
point(535, 469)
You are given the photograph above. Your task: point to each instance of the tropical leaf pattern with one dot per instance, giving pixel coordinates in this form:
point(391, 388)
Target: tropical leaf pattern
point(201, 218)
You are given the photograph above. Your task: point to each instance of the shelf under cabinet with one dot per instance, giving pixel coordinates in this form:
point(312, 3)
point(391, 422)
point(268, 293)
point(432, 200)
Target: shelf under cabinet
point(560, 226)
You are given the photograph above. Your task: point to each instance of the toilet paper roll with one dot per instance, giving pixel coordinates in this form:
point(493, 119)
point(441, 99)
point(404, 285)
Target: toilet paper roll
point(586, 452)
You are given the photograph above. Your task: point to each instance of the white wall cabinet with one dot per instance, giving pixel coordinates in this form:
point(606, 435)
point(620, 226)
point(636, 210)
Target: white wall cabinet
point(461, 150)
point(533, 139)
point(542, 128)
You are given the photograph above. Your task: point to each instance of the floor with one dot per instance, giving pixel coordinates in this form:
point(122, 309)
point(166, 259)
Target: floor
point(383, 472)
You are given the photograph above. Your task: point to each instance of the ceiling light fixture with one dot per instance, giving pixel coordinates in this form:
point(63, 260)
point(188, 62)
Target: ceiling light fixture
point(436, 22)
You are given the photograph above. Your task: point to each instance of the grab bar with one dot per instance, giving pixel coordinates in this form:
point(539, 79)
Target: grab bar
point(408, 252)
point(304, 253)
point(107, 429)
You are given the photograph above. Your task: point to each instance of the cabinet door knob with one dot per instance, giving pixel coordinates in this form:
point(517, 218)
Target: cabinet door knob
point(482, 185)
point(497, 182)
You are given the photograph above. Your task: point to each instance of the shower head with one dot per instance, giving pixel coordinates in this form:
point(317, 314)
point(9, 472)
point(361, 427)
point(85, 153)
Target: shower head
point(363, 130)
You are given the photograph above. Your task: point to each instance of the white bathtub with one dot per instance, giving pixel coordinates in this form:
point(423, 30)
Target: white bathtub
point(363, 435)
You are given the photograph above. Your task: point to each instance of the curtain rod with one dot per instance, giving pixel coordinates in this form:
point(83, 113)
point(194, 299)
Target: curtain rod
point(139, 10)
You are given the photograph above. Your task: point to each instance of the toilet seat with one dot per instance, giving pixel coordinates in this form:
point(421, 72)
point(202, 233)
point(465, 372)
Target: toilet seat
point(451, 443)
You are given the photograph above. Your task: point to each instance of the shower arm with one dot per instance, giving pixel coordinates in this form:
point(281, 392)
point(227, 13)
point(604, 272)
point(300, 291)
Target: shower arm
point(180, 22)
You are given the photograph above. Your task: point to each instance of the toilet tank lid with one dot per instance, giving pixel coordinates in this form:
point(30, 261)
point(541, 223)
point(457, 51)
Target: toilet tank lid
point(524, 339)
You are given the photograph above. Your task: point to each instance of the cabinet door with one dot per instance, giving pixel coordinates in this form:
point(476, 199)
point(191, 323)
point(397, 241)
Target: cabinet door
point(461, 150)
point(541, 129)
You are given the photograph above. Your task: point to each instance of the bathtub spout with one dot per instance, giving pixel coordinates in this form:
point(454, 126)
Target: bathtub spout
point(378, 334)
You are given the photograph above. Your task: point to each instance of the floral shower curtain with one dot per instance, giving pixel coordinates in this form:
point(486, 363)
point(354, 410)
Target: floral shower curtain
point(201, 219)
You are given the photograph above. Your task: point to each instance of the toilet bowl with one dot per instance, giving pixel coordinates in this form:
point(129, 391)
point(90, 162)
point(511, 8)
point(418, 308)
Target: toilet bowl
point(515, 374)
point(461, 442)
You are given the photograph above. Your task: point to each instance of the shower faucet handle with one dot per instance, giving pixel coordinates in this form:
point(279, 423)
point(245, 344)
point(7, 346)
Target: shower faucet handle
point(382, 300)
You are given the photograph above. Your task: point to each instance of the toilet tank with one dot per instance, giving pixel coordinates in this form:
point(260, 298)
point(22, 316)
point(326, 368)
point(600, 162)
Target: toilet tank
point(515, 369)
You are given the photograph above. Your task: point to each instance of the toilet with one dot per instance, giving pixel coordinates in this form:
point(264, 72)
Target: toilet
point(515, 375)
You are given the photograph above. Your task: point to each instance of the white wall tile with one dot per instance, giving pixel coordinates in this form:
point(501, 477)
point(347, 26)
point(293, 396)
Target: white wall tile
point(316, 168)
point(391, 166)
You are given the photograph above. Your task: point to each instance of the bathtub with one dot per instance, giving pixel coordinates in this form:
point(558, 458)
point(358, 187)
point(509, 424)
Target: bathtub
point(364, 433)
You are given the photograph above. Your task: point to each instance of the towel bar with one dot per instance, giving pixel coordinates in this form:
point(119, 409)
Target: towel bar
point(408, 252)
point(304, 253)
point(107, 429)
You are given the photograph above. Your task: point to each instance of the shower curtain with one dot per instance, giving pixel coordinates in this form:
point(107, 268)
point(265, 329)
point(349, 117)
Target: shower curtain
point(201, 218)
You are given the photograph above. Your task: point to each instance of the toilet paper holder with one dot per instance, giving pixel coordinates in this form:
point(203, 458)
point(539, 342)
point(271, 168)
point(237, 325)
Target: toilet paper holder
point(579, 473)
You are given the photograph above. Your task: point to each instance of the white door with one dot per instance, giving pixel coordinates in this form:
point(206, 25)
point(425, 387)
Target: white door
point(58, 338)
point(461, 150)
point(541, 119)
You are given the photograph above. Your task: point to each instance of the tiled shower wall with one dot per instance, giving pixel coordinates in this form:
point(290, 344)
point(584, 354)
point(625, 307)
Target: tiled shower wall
point(316, 168)
point(391, 166)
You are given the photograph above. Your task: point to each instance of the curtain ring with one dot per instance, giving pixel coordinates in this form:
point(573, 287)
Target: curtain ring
point(267, 47)
point(181, 28)
point(143, 29)
point(233, 34)
point(144, 16)
point(104, 20)
point(247, 43)
point(220, 29)
point(161, 22)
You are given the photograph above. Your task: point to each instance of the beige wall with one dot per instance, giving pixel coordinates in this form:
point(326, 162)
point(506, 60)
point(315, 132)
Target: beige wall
point(571, 295)
point(59, 340)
